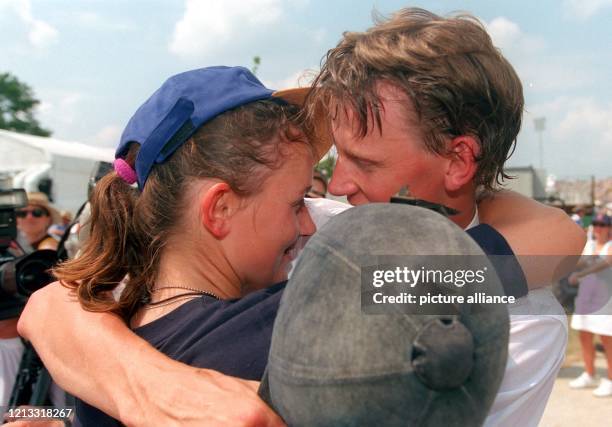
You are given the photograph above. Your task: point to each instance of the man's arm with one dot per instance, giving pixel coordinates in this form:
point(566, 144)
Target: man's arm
point(546, 241)
point(97, 358)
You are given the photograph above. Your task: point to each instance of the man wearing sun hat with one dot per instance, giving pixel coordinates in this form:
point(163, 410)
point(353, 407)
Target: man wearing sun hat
point(33, 221)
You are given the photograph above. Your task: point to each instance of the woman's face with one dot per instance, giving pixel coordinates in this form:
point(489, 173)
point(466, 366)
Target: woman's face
point(33, 221)
point(272, 220)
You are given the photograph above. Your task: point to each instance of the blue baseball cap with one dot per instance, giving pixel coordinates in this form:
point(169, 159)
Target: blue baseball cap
point(602, 220)
point(187, 101)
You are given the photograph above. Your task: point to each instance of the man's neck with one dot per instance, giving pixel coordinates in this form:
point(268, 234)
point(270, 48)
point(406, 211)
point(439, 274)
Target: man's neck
point(35, 238)
point(467, 210)
point(475, 220)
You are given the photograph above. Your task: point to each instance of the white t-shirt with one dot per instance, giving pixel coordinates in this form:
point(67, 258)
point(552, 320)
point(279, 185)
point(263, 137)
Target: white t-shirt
point(538, 339)
point(536, 349)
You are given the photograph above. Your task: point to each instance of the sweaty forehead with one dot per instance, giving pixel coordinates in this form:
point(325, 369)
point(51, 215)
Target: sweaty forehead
point(393, 112)
point(396, 129)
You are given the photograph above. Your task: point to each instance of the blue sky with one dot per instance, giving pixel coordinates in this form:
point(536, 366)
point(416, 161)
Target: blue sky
point(92, 63)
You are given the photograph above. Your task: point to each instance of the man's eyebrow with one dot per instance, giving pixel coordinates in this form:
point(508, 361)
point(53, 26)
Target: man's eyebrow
point(354, 156)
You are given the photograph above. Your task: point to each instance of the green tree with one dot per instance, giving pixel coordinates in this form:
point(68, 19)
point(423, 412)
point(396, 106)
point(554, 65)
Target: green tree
point(256, 63)
point(326, 165)
point(17, 103)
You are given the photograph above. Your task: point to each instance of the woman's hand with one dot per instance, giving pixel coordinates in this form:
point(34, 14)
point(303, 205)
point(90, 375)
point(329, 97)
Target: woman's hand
point(574, 279)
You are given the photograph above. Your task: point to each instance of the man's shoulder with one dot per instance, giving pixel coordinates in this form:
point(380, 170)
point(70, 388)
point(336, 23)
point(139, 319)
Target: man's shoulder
point(490, 240)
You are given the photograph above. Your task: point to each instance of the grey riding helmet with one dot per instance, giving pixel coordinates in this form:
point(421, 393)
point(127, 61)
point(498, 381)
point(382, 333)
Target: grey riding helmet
point(332, 363)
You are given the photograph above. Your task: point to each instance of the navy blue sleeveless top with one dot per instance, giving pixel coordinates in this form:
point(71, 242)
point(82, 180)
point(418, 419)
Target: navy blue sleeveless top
point(233, 336)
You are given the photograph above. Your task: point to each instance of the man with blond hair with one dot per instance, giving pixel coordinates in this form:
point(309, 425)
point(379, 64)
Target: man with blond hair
point(430, 104)
point(418, 102)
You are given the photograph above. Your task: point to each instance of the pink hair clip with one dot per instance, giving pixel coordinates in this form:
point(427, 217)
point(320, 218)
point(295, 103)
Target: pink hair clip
point(125, 171)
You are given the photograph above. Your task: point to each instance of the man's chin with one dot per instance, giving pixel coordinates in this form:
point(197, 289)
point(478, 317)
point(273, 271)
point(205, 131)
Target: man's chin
point(358, 200)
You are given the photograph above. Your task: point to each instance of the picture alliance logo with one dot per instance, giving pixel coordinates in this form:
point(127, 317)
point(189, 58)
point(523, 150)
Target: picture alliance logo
point(411, 277)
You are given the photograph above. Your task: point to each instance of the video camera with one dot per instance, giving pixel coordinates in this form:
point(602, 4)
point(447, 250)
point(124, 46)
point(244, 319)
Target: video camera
point(21, 274)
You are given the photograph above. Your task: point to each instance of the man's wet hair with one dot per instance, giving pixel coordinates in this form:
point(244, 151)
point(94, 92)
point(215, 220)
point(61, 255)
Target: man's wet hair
point(446, 68)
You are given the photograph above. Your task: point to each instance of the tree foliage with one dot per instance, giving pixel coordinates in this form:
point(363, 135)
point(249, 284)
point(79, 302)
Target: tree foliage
point(256, 64)
point(326, 165)
point(17, 103)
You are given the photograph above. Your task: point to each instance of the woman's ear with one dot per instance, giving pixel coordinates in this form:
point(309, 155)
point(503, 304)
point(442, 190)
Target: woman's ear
point(217, 206)
point(462, 162)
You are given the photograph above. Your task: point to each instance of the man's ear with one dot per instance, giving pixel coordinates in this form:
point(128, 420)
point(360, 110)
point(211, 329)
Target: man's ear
point(217, 206)
point(462, 165)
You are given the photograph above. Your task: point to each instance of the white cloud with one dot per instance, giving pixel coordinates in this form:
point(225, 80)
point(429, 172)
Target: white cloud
point(93, 21)
point(588, 121)
point(584, 9)
point(503, 31)
point(40, 33)
point(319, 35)
point(59, 108)
point(508, 36)
point(301, 78)
point(577, 140)
point(108, 136)
point(208, 25)
point(540, 68)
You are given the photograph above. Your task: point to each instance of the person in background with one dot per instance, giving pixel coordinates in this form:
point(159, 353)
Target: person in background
point(57, 230)
point(319, 186)
point(578, 216)
point(34, 220)
point(593, 314)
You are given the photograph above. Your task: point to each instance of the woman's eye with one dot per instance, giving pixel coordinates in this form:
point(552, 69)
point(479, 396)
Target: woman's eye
point(299, 205)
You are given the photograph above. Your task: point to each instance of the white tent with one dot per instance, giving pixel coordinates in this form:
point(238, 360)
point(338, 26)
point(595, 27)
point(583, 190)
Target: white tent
point(29, 159)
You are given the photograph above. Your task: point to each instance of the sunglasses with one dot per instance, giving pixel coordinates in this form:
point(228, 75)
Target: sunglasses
point(36, 213)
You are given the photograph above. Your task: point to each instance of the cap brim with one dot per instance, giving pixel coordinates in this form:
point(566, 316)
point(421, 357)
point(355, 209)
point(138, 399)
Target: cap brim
point(318, 132)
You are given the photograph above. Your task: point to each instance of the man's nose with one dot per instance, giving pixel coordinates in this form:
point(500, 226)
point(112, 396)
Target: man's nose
point(341, 183)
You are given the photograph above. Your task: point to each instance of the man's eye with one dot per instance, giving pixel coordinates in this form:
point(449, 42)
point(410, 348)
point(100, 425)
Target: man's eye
point(364, 165)
point(361, 163)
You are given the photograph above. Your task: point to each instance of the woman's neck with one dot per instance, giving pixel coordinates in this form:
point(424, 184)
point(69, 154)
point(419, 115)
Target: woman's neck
point(188, 266)
point(199, 267)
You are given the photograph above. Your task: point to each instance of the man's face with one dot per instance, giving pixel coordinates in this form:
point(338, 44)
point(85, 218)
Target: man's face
point(377, 166)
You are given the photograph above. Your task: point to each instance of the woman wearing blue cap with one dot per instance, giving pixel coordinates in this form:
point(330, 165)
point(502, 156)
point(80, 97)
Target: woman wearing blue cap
point(205, 206)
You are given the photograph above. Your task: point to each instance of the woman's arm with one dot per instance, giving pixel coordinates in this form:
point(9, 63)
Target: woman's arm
point(546, 241)
point(97, 358)
point(601, 263)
